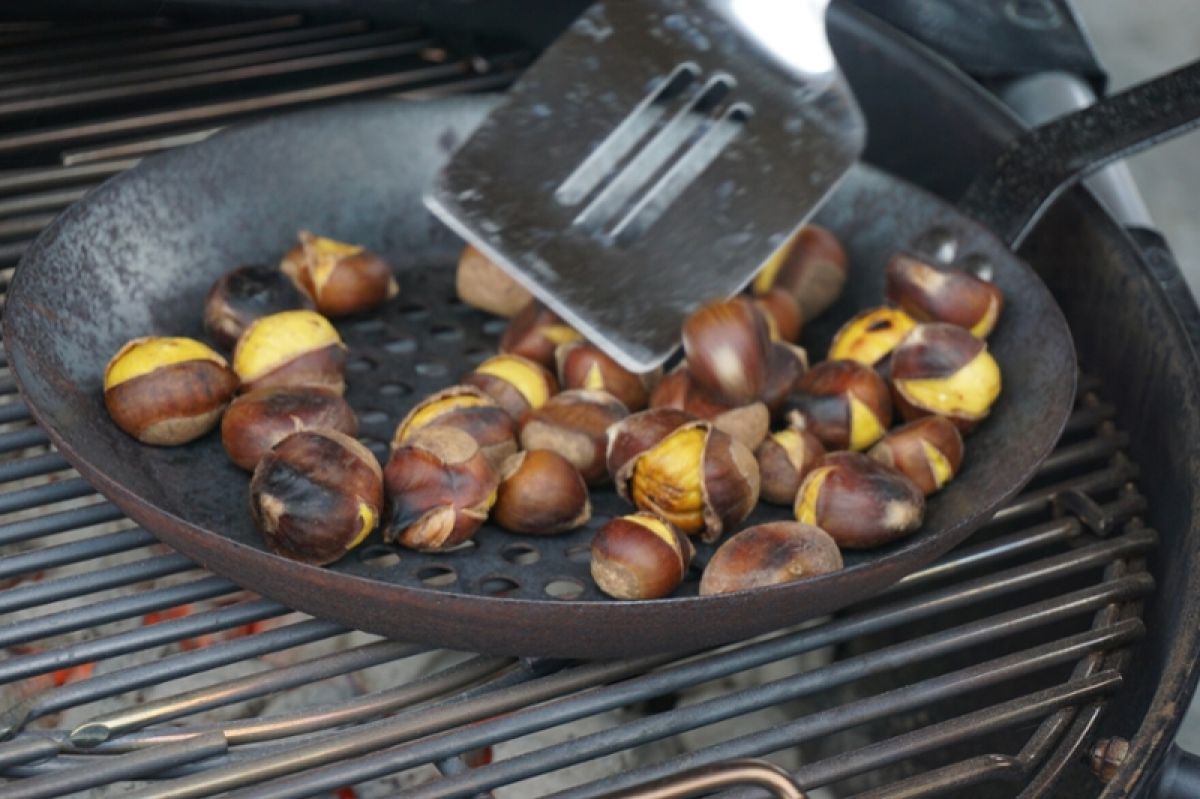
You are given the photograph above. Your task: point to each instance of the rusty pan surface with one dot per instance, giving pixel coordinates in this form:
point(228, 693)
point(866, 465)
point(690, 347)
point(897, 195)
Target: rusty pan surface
point(137, 255)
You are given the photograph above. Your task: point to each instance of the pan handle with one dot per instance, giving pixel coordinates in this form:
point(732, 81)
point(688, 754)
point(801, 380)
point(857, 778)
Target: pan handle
point(1037, 166)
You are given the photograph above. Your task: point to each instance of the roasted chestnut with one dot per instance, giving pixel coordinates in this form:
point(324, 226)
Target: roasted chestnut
point(843, 403)
point(484, 285)
point(811, 266)
point(784, 458)
point(517, 384)
point(291, 348)
point(698, 478)
point(259, 420)
point(870, 336)
point(943, 295)
point(470, 410)
point(541, 493)
point(727, 344)
point(245, 294)
point(167, 391)
point(639, 432)
point(639, 556)
point(584, 365)
point(341, 278)
point(770, 554)
point(440, 488)
point(786, 364)
point(942, 369)
point(859, 501)
point(782, 314)
point(575, 425)
point(535, 333)
point(928, 451)
point(316, 495)
point(747, 423)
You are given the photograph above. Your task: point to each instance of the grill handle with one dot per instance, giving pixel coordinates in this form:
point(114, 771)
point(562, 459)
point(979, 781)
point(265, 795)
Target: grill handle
point(1037, 166)
point(1179, 777)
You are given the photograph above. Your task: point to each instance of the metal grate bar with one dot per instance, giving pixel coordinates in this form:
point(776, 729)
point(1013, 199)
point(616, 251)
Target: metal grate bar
point(73, 552)
point(21, 439)
point(50, 523)
point(10, 253)
point(37, 466)
point(55, 201)
point(18, 226)
point(15, 182)
point(39, 33)
point(958, 776)
point(45, 494)
point(1042, 499)
point(76, 585)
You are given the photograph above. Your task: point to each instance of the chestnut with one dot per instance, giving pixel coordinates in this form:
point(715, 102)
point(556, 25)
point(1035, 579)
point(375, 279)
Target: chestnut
point(470, 410)
point(748, 423)
point(260, 419)
point(517, 384)
point(640, 556)
point(535, 333)
point(440, 487)
point(811, 266)
point(784, 458)
point(871, 335)
point(575, 425)
point(484, 285)
point(541, 493)
point(698, 478)
point(786, 364)
point(340, 278)
point(949, 295)
point(782, 314)
point(770, 554)
point(942, 369)
point(316, 495)
point(639, 432)
point(245, 294)
point(582, 364)
point(843, 403)
point(291, 348)
point(167, 391)
point(928, 451)
point(726, 344)
point(859, 501)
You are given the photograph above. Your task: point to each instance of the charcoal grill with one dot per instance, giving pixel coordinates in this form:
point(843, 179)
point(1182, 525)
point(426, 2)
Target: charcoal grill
point(1065, 631)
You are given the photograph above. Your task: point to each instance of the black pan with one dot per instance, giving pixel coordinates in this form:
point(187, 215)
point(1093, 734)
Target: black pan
point(137, 255)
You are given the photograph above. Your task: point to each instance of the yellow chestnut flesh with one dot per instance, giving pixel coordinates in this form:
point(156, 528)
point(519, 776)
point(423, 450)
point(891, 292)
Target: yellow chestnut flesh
point(291, 348)
point(843, 403)
point(639, 556)
point(928, 451)
point(871, 335)
point(638, 432)
point(941, 369)
point(470, 410)
point(517, 384)
point(783, 461)
point(167, 391)
point(859, 501)
point(770, 554)
point(541, 493)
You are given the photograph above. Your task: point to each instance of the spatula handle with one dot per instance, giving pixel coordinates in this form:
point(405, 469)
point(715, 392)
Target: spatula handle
point(1011, 195)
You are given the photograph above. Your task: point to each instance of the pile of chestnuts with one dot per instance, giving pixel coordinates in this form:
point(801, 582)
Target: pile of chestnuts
point(524, 437)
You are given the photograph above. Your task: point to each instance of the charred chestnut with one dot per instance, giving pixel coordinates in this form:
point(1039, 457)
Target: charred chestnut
point(440, 488)
point(291, 348)
point(584, 365)
point(535, 333)
point(484, 285)
point(245, 294)
point(859, 501)
point(639, 432)
point(870, 336)
point(541, 493)
point(259, 420)
point(575, 425)
point(341, 278)
point(727, 344)
point(843, 403)
point(698, 478)
point(517, 384)
point(748, 423)
point(942, 369)
point(639, 556)
point(167, 391)
point(470, 410)
point(943, 295)
point(811, 266)
point(784, 459)
point(770, 554)
point(928, 451)
point(316, 495)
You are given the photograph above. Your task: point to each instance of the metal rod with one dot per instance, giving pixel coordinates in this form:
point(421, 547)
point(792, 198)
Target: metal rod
point(1086, 417)
point(12, 251)
point(18, 226)
point(36, 466)
point(1041, 499)
point(1084, 452)
point(954, 777)
point(51, 523)
point(43, 592)
point(73, 552)
point(52, 200)
point(21, 439)
point(706, 779)
point(25, 750)
point(46, 178)
point(45, 494)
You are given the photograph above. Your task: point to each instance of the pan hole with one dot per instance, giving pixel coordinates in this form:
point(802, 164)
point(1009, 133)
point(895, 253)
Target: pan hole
point(379, 557)
point(401, 346)
point(498, 586)
point(373, 417)
point(564, 588)
point(360, 365)
point(437, 576)
point(521, 554)
point(938, 243)
point(580, 553)
point(432, 369)
point(413, 310)
point(477, 355)
point(446, 332)
point(494, 327)
point(462, 546)
point(977, 264)
point(368, 326)
point(395, 389)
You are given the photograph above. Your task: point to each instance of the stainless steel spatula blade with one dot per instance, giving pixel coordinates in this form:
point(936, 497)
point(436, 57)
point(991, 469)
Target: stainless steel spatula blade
point(653, 159)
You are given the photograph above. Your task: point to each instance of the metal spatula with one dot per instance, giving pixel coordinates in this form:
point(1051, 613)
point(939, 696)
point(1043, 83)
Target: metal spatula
point(653, 159)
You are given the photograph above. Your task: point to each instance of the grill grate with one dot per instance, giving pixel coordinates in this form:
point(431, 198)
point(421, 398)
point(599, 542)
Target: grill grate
point(129, 667)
